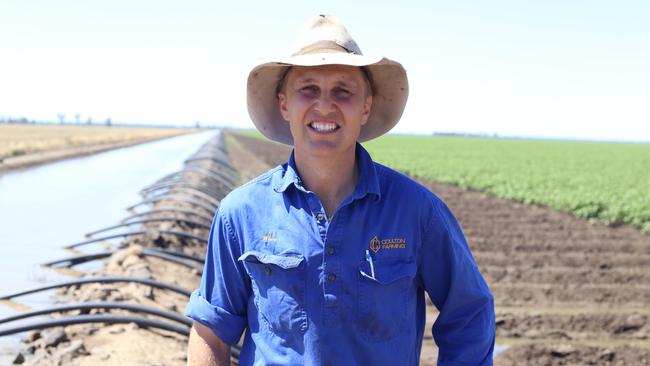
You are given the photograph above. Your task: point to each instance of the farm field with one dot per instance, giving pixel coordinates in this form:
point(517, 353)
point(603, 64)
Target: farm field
point(24, 139)
point(602, 181)
point(567, 291)
point(594, 180)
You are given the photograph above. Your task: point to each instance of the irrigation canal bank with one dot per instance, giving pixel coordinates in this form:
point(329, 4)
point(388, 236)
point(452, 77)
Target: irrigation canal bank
point(46, 207)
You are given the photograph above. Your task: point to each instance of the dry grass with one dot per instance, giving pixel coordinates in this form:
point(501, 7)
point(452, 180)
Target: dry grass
point(21, 139)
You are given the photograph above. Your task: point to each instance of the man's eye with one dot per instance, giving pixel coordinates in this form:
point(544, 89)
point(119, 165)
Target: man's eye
point(310, 90)
point(341, 93)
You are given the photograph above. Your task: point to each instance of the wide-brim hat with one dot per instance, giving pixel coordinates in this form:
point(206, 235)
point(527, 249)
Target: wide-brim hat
point(325, 41)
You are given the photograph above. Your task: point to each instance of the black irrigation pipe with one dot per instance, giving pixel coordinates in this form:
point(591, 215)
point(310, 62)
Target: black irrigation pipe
point(232, 175)
point(204, 181)
point(218, 176)
point(186, 192)
point(235, 351)
point(175, 197)
point(153, 219)
point(71, 261)
point(214, 149)
point(101, 305)
point(206, 194)
point(207, 186)
point(197, 165)
point(213, 190)
point(212, 159)
point(169, 209)
point(211, 163)
point(109, 319)
point(178, 254)
point(106, 279)
point(139, 232)
point(203, 173)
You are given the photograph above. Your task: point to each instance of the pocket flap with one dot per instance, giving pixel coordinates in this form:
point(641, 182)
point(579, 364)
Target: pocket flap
point(388, 271)
point(283, 261)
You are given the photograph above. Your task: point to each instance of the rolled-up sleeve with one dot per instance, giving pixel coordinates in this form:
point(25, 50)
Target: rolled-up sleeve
point(465, 328)
point(221, 301)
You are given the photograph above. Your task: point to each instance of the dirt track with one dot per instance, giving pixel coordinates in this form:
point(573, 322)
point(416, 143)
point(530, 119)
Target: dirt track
point(50, 156)
point(567, 292)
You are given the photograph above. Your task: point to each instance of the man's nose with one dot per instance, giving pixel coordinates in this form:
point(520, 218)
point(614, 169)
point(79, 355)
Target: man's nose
point(325, 104)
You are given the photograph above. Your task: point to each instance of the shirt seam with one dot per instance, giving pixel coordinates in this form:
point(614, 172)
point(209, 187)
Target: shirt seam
point(427, 237)
point(231, 232)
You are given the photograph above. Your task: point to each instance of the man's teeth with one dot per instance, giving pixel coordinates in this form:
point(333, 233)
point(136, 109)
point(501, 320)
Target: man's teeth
point(323, 127)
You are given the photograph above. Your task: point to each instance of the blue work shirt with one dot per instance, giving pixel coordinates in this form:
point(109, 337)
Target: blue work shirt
point(347, 290)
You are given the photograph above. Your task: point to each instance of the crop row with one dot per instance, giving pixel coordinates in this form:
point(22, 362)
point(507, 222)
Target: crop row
point(602, 181)
point(594, 180)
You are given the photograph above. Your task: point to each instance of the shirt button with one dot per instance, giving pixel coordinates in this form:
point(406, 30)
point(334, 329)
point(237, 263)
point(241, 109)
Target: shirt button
point(320, 217)
point(267, 270)
point(331, 250)
point(331, 277)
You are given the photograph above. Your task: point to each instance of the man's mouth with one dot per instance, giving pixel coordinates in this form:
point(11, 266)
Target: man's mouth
point(320, 126)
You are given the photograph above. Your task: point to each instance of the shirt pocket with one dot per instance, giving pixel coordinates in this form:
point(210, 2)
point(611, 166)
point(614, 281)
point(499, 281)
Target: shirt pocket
point(279, 290)
point(384, 298)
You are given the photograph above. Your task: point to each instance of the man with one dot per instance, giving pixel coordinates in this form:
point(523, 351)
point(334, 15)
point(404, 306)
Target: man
point(325, 259)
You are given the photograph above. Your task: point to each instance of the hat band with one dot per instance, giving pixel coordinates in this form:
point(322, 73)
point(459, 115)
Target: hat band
point(322, 46)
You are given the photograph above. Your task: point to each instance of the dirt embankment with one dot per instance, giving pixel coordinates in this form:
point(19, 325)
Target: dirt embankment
point(23, 146)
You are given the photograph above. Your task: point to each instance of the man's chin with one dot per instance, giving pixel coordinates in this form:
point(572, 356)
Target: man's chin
point(324, 148)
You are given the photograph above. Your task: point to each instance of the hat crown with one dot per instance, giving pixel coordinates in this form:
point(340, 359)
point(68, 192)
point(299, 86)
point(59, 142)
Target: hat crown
point(324, 33)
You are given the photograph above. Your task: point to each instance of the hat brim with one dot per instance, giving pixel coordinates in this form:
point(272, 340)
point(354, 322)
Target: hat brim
point(388, 76)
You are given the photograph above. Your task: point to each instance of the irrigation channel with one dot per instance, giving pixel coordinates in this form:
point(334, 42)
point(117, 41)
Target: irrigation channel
point(129, 303)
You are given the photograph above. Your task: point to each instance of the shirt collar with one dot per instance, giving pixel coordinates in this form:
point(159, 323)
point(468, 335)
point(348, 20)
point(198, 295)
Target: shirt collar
point(289, 176)
point(368, 180)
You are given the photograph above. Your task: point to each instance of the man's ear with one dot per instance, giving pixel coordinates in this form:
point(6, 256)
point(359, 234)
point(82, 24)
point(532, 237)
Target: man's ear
point(367, 106)
point(282, 102)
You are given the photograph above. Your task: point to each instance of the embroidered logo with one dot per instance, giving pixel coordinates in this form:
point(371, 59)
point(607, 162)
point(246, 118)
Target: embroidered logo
point(395, 243)
point(374, 244)
point(269, 237)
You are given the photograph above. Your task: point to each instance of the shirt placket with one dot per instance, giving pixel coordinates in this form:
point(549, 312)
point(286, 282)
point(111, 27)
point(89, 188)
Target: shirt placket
point(332, 270)
point(331, 275)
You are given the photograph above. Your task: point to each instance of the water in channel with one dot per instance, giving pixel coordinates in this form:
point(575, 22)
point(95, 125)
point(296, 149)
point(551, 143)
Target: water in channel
point(46, 207)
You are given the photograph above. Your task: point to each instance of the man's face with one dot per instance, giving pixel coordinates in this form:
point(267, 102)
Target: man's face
point(325, 107)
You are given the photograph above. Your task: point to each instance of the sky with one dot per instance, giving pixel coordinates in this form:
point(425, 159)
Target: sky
point(563, 69)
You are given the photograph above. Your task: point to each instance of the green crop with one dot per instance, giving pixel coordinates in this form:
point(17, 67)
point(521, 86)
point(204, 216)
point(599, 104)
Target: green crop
point(602, 181)
point(594, 180)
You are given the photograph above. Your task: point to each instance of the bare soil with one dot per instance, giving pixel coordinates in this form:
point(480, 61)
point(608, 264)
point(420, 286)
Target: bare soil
point(42, 157)
point(567, 291)
point(40, 144)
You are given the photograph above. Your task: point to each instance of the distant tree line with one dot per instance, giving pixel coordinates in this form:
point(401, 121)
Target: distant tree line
point(107, 122)
point(21, 120)
point(466, 134)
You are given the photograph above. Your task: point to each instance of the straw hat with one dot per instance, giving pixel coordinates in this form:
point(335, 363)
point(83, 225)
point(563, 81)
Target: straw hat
point(325, 41)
